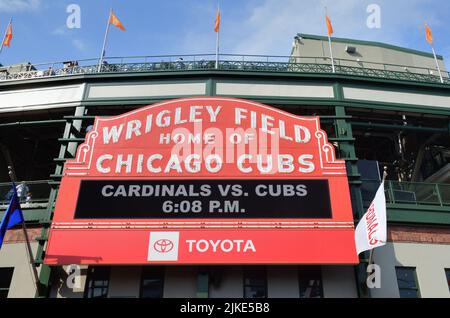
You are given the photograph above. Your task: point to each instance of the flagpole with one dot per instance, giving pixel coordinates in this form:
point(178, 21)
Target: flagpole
point(105, 40)
point(218, 37)
point(217, 50)
point(372, 250)
point(437, 64)
point(330, 46)
point(4, 37)
point(12, 176)
point(331, 54)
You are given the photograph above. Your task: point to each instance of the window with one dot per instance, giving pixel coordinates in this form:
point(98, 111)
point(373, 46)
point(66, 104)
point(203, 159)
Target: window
point(447, 275)
point(97, 282)
point(255, 283)
point(310, 282)
point(152, 282)
point(407, 282)
point(5, 281)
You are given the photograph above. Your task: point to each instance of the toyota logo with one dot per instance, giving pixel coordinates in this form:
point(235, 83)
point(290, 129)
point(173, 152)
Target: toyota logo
point(163, 246)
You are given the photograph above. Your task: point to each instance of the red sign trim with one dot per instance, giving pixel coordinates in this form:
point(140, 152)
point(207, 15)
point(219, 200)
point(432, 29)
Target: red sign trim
point(106, 241)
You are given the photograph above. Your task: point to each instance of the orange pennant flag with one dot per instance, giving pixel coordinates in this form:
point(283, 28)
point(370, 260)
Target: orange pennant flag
point(217, 26)
point(8, 36)
point(115, 21)
point(329, 26)
point(429, 35)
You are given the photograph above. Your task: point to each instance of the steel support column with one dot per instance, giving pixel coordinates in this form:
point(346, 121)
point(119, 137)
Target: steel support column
point(72, 129)
point(202, 283)
point(347, 150)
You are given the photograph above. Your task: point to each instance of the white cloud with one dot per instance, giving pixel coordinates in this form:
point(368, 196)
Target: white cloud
point(79, 44)
point(268, 27)
point(272, 25)
point(61, 30)
point(19, 5)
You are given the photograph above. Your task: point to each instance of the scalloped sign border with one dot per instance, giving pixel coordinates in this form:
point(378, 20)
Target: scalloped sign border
point(139, 145)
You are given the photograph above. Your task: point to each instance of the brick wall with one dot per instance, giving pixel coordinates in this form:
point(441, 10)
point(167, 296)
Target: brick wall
point(412, 234)
point(16, 235)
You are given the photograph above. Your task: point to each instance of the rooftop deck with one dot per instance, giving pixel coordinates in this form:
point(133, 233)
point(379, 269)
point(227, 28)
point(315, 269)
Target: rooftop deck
point(227, 62)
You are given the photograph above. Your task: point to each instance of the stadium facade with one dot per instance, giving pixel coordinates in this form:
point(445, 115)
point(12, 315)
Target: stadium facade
point(384, 107)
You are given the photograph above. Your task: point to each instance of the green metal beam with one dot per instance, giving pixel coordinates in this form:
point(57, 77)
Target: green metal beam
point(33, 123)
point(418, 214)
point(202, 283)
point(81, 117)
point(370, 125)
point(46, 271)
point(31, 215)
point(44, 279)
point(347, 149)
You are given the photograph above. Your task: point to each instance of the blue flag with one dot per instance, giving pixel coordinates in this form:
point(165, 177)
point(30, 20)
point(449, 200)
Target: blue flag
point(13, 215)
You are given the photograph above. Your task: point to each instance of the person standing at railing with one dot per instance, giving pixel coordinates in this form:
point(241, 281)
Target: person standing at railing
point(203, 64)
point(105, 66)
point(180, 63)
point(22, 191)
point(69, 67)
point(9, 195)
point(50, 72)
point(29, 197)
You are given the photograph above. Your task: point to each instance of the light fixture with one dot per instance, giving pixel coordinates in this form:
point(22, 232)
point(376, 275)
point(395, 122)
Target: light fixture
point(350, 49)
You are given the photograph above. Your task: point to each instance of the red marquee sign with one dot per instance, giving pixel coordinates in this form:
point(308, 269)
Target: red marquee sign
point(204, 181)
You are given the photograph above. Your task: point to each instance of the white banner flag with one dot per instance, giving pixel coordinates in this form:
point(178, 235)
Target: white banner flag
point(371, 231)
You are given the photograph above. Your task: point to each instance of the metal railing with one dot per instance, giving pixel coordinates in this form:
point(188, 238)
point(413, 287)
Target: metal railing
point(417, 193)
point(32, 194)
point(227, 62)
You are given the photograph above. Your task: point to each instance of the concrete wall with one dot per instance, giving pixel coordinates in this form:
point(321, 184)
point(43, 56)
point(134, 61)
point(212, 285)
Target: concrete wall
point(125, 282)
point(41, 98)
point(180, 282)
point(282, 282)
point(430, 261)
point(397, 97)
point(230, 286)
point(369, 55)
point(140, 90)
point(22, 283)
point(274, 90)
point(339, 282)
point(65, 286)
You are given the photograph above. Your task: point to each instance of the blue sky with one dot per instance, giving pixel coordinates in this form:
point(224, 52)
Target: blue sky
point(265, 27)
